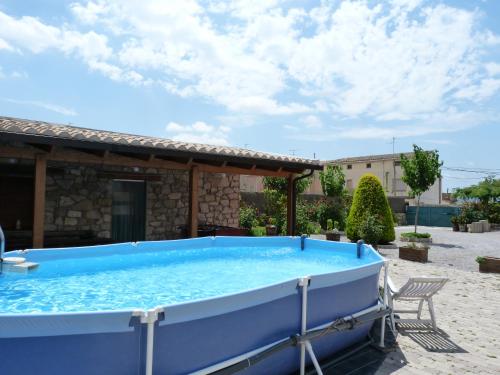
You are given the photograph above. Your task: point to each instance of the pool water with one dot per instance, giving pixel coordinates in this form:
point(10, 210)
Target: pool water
point(145, 279)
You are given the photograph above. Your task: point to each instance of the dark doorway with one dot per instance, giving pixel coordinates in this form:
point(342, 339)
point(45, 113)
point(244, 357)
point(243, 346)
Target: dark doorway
point(129, 211)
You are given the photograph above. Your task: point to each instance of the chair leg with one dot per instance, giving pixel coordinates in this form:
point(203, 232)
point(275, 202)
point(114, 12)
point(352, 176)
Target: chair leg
point(392, 318)
point(433, 314)
point(420, 305)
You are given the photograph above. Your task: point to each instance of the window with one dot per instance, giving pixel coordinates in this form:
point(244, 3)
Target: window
point(368, 165)
point(397, 163)
point(349, 166)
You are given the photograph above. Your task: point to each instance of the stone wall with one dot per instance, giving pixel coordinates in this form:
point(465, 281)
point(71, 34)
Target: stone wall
point(80, 198)
point(167, 204)
point(219, 199)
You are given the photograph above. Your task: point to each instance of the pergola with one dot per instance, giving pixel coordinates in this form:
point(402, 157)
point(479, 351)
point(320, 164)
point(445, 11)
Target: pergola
point(43, 142)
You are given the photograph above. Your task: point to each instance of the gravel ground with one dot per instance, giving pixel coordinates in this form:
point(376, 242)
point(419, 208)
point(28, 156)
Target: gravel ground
point(467, 309)
point(448, 248)
point(468, 339)
point(454, 249)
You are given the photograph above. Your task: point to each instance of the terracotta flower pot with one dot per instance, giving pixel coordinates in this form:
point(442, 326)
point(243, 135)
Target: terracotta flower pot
point(419, 254)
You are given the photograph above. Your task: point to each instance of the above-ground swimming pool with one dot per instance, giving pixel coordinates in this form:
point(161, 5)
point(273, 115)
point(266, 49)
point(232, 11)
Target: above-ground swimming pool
point(180, 306)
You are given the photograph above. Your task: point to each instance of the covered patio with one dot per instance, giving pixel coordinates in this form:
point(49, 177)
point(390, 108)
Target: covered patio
point(63, 184)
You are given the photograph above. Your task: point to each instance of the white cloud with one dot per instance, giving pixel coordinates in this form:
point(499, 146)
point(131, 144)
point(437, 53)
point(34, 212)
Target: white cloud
point(493, 69)
point(312, 122)
point(5, 46)
point(442, 122)
point(479, 92)
point(41, 104)
point(397, 60)
point(199, 132)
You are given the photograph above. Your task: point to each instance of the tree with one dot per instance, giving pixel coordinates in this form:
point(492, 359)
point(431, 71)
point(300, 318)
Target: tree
point(420, 172)
point(487, 191)
point(370, 200)
point(280, 184)
point(275, 195)
point(332, 181)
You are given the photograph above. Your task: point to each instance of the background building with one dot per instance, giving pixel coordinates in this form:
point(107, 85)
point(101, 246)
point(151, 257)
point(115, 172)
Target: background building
point(386, 167)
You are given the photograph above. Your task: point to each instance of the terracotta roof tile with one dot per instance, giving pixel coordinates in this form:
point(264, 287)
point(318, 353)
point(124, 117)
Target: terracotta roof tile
point(67, 132)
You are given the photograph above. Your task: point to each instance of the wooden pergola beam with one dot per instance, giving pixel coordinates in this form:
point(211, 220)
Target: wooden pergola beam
point(194, 181)
point(42, 147)
point(39, 199)
point(80, 157)
point(289, 206)
point(99, 153)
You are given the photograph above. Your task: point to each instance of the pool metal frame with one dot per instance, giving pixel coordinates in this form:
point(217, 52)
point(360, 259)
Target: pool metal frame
point(185, 312)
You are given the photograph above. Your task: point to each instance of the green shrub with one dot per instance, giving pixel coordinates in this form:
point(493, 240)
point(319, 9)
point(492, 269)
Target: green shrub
point(248, 216)
point(333, 209)
point(371, 230)
point(329, 225)
point(370, 200)
point(313, 228)
point(471, 212)
point(258, 231)
point(415, 235)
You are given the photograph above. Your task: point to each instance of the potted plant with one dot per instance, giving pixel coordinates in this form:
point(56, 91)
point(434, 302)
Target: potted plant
point(371, 231)
point(414, 252)
point(415, 237)
point(271, 228)
point(332, 233)
point(488, 264)
point(462, 223)
point(455, 222)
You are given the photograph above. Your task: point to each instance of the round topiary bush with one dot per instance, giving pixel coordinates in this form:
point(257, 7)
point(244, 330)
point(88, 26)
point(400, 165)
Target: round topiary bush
point(370, 200)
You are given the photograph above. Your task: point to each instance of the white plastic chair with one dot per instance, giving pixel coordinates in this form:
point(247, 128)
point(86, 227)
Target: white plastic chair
point(416, 289)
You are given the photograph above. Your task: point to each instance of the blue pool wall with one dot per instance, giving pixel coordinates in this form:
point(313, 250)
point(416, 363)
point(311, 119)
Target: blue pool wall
point(193, 335)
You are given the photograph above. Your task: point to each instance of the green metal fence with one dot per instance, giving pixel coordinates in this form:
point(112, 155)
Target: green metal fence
point(432, 216)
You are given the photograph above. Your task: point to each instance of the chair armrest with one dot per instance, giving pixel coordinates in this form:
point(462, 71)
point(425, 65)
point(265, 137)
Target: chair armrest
point(391, 286)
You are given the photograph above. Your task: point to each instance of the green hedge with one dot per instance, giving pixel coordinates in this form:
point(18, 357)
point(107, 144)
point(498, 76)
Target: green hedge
point(415, 235)
point(370, 200)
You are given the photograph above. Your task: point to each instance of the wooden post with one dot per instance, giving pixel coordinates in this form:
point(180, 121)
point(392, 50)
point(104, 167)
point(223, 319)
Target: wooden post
point(39, 206)
point(290, 206)
point(194, 181)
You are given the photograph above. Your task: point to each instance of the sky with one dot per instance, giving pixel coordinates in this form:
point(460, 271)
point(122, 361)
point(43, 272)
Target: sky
point(317, 79)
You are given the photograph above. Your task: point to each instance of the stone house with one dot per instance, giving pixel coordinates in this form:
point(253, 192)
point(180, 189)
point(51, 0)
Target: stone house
point(65, 185)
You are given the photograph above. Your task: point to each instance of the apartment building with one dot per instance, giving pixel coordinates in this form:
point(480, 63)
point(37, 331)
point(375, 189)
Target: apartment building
point(386, 167)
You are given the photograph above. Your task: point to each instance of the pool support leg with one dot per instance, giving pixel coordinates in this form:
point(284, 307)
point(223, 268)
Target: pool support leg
point(359, 247)
point(150, 317)
point(303, 241)
point(304, 283)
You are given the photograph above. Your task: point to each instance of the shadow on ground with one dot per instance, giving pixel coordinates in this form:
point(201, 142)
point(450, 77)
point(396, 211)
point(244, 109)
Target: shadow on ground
point(446, 245)
point(367, 358)
point(432, 341)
